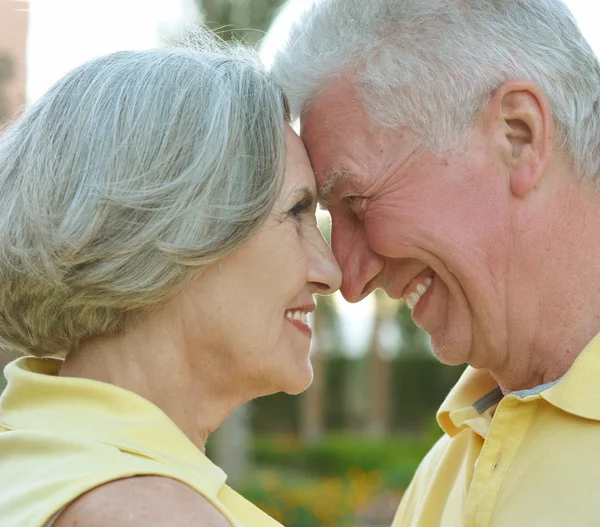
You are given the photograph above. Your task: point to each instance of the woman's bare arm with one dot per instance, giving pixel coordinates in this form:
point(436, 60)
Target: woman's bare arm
point(148, 501)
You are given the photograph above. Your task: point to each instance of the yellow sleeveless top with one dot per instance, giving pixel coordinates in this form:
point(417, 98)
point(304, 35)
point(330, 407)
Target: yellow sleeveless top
point(60, 437)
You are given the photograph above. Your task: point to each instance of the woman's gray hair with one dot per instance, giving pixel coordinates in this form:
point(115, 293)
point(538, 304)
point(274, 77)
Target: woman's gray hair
point(431, 66)
point(132, 173)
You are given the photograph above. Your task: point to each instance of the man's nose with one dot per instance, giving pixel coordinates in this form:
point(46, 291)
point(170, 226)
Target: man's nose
point(359, 263)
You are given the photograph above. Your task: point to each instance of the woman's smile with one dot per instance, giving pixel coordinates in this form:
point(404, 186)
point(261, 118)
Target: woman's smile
point(299, 318)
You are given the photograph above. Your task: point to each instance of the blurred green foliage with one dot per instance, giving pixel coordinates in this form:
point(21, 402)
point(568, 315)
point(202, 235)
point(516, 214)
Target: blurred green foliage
point(340, 481)
point(395, 457)
point(419, 384)
point(245, 20)
point(316, 502)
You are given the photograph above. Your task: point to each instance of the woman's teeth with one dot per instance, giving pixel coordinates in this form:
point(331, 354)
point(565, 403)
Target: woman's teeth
point(300, 315)
point(413, 299)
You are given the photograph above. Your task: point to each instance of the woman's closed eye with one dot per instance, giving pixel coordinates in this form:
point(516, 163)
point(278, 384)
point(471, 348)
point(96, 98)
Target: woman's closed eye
point(303, 206)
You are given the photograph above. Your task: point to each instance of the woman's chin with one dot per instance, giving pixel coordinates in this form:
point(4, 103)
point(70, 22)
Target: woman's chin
point(299, 382)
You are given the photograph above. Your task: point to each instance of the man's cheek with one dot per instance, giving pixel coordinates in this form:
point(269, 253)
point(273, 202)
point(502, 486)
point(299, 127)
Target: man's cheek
point(385, 234)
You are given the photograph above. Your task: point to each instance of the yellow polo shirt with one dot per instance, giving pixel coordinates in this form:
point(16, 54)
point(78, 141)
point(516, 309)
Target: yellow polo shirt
point(528, 459)
point(60, 437)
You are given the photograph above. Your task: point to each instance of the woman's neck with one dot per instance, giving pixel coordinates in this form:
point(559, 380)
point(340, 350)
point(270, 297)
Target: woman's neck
point(153, 365)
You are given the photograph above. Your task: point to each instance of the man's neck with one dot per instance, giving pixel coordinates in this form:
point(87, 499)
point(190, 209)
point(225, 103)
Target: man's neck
point(560, 314)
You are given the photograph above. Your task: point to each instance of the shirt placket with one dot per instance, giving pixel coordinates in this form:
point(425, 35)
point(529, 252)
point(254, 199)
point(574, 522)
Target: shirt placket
point(508, 428)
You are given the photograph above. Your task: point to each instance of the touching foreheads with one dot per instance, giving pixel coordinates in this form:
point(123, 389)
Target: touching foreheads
point(431, 66)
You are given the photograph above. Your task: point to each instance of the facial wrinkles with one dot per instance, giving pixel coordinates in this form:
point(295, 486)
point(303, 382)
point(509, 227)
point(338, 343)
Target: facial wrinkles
point(351, 165)
point(352, 240)
point(390, 206)
point(517, 313)
point(289, 242)
point(401, 225)
point(466, 258)
point(418, 211)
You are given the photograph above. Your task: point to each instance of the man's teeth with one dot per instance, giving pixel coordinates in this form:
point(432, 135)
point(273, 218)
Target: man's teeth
point(300, 315)
point(413, 299)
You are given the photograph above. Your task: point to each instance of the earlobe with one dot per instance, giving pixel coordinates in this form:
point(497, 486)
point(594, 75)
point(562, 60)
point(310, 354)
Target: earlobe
point(528, 131)
point(524, 178)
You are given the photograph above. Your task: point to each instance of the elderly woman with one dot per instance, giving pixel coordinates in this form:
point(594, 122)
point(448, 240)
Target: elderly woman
point(157, 231)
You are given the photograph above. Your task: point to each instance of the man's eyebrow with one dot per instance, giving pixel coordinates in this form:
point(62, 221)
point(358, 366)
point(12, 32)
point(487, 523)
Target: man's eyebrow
point(329, 184)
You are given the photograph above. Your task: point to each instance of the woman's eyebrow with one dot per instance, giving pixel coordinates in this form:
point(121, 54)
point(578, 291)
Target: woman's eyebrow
point(305, 193)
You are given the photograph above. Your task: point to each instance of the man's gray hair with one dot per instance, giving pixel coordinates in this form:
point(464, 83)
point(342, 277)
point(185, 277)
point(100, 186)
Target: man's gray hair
point(132, 173)
point(431, 65)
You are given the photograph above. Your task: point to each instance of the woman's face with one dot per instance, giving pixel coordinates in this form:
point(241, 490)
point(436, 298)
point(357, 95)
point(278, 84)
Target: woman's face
point(247, 314)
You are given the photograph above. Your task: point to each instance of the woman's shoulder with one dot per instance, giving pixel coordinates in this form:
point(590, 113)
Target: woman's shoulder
point(142, 501)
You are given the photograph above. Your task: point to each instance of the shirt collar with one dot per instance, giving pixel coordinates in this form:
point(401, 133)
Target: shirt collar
point(470, 403)
point(464, 404)
point(578, 392)
point(37, 398)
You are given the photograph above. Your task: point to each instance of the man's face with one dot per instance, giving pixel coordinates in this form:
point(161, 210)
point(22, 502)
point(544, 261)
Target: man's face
point(436, 232)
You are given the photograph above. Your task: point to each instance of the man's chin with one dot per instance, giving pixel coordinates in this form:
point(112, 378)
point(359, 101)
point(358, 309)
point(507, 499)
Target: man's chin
point(449, 354)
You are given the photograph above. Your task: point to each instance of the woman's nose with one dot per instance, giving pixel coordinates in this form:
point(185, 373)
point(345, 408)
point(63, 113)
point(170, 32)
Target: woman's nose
point(323, 272)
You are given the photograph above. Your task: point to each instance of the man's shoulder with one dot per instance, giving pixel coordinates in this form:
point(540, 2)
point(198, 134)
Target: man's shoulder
point(433, 457)
point(141, 501)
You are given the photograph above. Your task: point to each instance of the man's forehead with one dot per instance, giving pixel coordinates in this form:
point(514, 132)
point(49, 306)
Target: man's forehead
point(345, 147)
point(333, 132)
point(336, 109)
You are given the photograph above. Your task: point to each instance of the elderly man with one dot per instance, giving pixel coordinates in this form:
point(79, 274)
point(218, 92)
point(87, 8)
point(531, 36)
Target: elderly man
point(456, 144)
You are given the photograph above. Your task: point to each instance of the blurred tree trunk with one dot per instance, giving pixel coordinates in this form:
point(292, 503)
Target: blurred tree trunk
point(378, 423)
point(6, 75)
point(312, 409)
point(326, 336)
point(5, 358)
point(378, 380)
point(230, 448)
point(356, 399)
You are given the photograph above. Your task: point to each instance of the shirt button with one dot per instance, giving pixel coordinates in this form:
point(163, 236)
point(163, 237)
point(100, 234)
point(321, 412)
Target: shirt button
point(496, 463)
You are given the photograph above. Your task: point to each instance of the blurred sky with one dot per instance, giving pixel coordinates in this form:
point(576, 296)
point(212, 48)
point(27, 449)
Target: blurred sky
point(65, 33)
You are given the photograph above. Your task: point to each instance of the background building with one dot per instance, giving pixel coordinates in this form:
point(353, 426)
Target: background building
point(14, 22)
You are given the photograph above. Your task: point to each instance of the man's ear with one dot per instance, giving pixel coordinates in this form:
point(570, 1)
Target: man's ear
point(522, 123)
